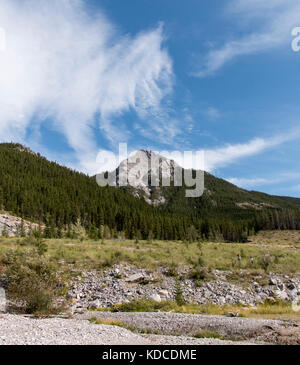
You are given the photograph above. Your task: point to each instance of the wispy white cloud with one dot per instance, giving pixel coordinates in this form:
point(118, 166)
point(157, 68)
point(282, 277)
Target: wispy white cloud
point(223, 156)
point(273, 21)
point(68, 66)
point(220, 157)
point(212, 113)
point(250, 182)
point(255, 182)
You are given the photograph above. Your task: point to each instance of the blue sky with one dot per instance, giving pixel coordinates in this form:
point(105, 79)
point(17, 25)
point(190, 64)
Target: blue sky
point(78, 77)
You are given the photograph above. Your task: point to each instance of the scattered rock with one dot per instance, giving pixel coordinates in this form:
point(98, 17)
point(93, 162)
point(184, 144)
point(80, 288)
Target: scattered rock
point(271, 300)
point(282, 295)
point(233, 314)
point(156, 298)
point(95, 304)
point(102, 289)
point(280, 286)
point(135, 278)
point(164, 293)
point(291, 286)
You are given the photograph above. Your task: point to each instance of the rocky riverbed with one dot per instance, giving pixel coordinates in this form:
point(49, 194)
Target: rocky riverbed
point(161, 328)
point(21, 330)
point(247, 330)
point(125, 283)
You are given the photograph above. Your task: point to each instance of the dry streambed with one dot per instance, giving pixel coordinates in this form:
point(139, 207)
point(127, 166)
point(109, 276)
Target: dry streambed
point(20, 330)
point(145, 329)
point(251, 330)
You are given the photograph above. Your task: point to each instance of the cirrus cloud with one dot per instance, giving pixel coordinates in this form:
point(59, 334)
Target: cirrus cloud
point(77, 72)
point(273, 19)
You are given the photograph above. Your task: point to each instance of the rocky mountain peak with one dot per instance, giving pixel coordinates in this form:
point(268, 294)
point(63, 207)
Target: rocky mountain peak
point(142, 172)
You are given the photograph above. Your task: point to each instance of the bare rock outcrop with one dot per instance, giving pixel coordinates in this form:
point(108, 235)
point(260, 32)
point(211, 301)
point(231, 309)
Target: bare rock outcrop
point(11, 225)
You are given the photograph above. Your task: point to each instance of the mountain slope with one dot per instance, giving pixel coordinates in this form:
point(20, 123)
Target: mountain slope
point(221, 201)
point(218, 194)
point(35, 189)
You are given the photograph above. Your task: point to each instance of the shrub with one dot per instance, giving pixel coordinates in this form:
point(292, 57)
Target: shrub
point(200, 274)
point(150, 237)
point(4, 232)
point(146, 305)
point(172, 270)
point(178, 294)
point(192, 234)
point(32, 281)
point(140, 305)
point(265, 261)
point(201, 262)
point(35, 241)
point(78, 231)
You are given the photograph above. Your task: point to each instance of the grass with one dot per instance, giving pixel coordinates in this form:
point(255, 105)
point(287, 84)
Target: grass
point(114, 322)
point(109, 322)
point(71, 256)
point(223, 256)
point(278, 309)
point(209, 334)
point(277, 238)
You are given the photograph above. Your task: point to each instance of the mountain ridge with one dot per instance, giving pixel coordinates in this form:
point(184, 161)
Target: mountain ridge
point(33, 188)
point(257, 199)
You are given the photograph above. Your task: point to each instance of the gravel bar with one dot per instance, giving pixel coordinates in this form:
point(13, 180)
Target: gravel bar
point(191, 324)
point(21, 330)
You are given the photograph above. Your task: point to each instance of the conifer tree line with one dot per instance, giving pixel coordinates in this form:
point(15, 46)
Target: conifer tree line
point(68, 204)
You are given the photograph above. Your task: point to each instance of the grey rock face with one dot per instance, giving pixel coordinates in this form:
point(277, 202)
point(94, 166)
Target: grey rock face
point(12, 225)
point(141, 171)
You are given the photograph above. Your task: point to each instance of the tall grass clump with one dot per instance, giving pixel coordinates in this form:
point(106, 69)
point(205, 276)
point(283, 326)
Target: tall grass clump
point(32, 281)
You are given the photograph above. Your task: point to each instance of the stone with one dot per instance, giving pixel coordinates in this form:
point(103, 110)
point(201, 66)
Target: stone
point(155, 297)
point(95, 304)
point(2, 300)
point(272, 281)
point(164, 293)
point(222, 301)
point(135, 278)
point(233, 314)
point(282, 295)
point(280, 286)
point(103, 287)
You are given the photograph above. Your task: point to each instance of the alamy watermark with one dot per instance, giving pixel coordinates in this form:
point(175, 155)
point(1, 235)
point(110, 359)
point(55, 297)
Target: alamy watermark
point(296, 40)
point(154, 169)
point(2, 40)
